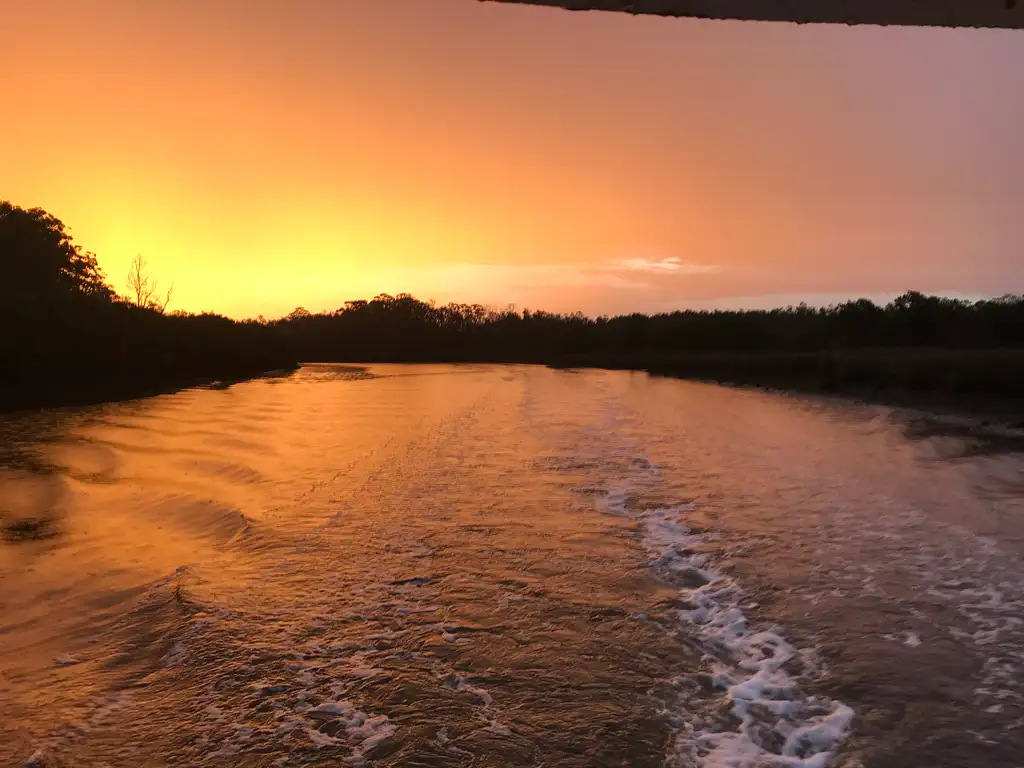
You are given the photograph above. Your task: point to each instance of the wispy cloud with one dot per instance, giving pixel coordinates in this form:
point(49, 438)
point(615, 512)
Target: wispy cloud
point(637, 273)
point(668, 265)
point(625, 283)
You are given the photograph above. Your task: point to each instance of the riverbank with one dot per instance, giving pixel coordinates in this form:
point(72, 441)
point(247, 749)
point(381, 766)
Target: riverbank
point(24, 396)
point(80, 349)
point(982, 386)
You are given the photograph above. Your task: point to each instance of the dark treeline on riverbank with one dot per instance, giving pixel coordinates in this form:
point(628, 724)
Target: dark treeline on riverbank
point(66, 337)
point(915, 344)
point(406, 329)
point(69, 337)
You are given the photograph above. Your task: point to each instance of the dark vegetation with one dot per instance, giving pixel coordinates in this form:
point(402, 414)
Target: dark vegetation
point(922, 345)
point(67, 337)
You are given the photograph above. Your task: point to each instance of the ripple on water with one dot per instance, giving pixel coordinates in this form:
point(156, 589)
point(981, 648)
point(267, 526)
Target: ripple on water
point(746, 708)
point(408, 570)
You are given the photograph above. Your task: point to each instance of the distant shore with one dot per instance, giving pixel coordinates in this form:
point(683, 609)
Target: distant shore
point(980, 387)
point(983, 386)
point(67, 393)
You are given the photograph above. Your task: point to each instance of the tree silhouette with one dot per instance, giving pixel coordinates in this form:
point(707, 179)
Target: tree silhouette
point(39, 261)
point(66, 337)
point(64, 327)
point(916, 342)
point(144, 289)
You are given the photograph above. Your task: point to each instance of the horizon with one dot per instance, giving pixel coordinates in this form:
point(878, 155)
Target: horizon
point(515, 155)
point(759, 304)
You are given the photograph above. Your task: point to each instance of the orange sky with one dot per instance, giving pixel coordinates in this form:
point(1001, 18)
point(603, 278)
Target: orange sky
point(267, 154)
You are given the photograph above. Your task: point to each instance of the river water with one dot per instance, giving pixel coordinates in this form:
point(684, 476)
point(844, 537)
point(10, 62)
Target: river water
point(505, 566)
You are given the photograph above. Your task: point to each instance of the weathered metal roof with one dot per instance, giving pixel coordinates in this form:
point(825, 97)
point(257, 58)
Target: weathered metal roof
point(921, 13)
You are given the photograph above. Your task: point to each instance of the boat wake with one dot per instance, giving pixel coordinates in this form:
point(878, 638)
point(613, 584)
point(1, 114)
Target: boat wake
point(745, 708)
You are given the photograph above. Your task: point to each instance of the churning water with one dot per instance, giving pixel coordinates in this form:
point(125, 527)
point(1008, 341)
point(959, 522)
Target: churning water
point(505, 566)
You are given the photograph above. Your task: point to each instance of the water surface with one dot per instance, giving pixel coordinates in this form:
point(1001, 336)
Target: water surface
point(500, 566)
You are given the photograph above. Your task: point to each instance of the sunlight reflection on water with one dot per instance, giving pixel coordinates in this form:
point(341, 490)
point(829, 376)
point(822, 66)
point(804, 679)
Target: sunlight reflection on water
point(503, 565)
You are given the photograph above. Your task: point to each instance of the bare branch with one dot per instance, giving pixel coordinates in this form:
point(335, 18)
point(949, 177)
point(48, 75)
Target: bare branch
point(144, 289)
point(162, 306)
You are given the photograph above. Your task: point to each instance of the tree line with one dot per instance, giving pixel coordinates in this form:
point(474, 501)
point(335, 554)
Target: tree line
point(68, 336)
point(403, 328)
point(953, 351)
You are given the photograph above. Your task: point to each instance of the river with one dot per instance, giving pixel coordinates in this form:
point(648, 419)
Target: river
point(506, 566)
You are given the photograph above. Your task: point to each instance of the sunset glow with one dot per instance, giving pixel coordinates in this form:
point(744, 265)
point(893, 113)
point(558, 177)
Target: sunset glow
point(266, 155)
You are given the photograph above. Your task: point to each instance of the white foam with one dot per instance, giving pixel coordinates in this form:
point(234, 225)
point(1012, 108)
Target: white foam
point(909, 639)
point(457, 682)
point(100, 713)
point(370, 731)
point(499, 728)
point(770, 720)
